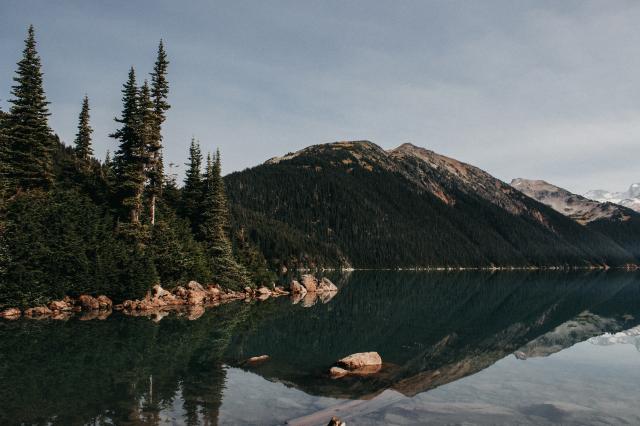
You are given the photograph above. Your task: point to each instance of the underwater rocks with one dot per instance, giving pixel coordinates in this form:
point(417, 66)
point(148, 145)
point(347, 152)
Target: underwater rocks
point(359, 364)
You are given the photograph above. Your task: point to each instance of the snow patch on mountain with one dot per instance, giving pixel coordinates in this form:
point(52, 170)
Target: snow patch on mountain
point(629, 198)
point(577, 207)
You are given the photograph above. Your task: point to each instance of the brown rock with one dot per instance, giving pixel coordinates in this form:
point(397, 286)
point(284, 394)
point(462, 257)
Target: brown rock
point(180, 292)
point(336, 422)
point(359, 360)
point(257, 359)
point(37, 311)
point(337, 372)
point(59, 306)
point(195, 312)
point(194, 285)
point(326, 286)
point(310, 283)
point(297, 288)
point(11, 313)
point(88, 302)
point(195, 297)
point(263, 291)
point(158, 292)
point(104, 302)
point(309, 299)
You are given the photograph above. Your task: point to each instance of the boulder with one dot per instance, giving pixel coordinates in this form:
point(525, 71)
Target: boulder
point(10, 313)
point(37, 311)
point(297, 288)
point(180, 292)
point(337, 372)
point(196, 297)
point(310, 283)
point(359, 360)
point(213, 292)
point(158, 291)
point(309, 299)
point(263, 291)
point(88, 302)
point(104, 302)
point(326, 285)
point(59, 306)
point(336, 422)
point(195, 286)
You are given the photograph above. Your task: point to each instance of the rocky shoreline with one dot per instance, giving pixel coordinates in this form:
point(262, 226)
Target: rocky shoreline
point(191, 299)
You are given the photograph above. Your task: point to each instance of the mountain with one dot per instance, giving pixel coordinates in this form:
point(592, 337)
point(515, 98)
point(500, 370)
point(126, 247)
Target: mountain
point(629, 198)
point(355, 204)
point(582, 210)
point(619, 223)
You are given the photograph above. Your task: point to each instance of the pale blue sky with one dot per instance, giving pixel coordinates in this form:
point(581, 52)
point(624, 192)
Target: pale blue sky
point(536, 89)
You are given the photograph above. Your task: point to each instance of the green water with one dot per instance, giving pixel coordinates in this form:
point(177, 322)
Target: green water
point(447, 340)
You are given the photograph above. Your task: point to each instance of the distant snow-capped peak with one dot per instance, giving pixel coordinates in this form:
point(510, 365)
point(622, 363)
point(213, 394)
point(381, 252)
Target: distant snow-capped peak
point(629, 198)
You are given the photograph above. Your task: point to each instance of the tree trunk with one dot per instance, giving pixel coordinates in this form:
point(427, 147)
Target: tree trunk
point(153, 210)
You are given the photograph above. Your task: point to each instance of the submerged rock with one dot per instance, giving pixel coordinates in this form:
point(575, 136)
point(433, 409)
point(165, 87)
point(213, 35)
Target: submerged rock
point(257, 359)
point(337, 372)
point(359, 360)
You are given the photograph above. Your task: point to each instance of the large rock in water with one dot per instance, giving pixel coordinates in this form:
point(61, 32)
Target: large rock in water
point(10, 313)
point(310, 283)
point(359, 360)
point(88, 303)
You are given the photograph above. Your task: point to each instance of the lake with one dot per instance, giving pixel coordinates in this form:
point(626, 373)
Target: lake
point(458, 348)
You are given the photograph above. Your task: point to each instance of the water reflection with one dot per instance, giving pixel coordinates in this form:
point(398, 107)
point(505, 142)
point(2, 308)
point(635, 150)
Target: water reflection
point(430, 328)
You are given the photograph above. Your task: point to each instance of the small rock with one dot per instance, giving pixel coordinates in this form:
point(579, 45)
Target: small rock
point(158, 291)
point(297, 288)
point(326, 286)
point(336, 422)
point(257, 359)
point(359, 360)
point(104, 302)
point(310, 283)
point(37, 311)
point(337, 372)
point(11, 313)
point(59, 306)
point(194, 285)
point(88, 302)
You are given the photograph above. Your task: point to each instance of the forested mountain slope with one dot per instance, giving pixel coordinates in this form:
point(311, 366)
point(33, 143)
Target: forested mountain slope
point(353, 203)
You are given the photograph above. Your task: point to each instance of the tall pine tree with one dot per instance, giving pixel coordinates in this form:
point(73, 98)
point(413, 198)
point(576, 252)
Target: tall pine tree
point(131, 157)
point(192, 190)
point(215, 231)
point(83, 147)
point(159, 93)
point(28, 145)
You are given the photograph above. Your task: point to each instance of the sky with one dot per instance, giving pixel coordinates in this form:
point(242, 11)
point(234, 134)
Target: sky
point(541, 89)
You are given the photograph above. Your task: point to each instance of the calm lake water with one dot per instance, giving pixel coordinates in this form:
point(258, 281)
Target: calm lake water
point(459, 348)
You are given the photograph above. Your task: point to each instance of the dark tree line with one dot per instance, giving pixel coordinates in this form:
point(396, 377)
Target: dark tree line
point(70, 223)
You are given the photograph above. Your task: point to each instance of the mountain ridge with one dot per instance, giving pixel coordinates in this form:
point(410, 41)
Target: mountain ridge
point(405, 207)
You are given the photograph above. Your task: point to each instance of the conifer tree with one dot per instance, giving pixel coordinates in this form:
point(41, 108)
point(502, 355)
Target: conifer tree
point(192, 190)
point(159, 93)
point(83, 147)
point(215, 231)
point(131, 157)
point(28, 147)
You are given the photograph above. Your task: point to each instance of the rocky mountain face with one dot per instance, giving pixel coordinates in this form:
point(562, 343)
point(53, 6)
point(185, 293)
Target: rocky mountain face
point(355, 204)
point(582, 210)
point(617, 222)
point(629, 198)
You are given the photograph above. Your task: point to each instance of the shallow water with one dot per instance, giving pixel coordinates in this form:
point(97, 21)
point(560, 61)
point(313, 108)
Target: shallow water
point(459, 348)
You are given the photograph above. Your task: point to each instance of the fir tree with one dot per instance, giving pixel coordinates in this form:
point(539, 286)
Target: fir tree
point(192, 190)
point(28, 147)
point(131, 157)
point(215, 231)
point(83, 147)
point(159, 92)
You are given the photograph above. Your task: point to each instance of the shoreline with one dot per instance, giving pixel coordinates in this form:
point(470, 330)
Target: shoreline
point(193, 298)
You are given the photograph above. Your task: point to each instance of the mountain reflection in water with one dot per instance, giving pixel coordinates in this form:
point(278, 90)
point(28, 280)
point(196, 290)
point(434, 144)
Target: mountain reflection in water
point(431, 329)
